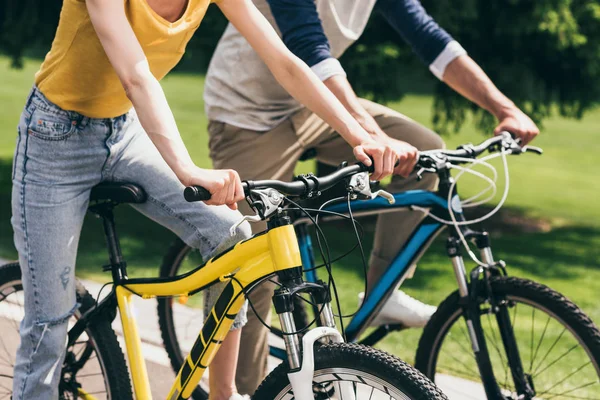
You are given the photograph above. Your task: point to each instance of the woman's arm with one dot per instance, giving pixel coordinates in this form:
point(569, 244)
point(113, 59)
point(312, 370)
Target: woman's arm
point(127, 58)
point(297, 78)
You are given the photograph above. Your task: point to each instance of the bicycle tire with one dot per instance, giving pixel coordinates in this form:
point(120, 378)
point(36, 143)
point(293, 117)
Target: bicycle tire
point(170, 267)
point(359, 364)
point(107, 348)
point(532, 294)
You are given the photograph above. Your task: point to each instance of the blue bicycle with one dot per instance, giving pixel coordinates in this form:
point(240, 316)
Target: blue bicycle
point(496, 337)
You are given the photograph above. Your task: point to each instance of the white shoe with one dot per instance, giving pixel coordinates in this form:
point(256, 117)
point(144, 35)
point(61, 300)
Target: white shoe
point(402, 309)
point(238, 396)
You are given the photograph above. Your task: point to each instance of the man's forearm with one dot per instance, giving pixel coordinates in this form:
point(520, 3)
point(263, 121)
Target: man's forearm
point(341, 88)
point(467, 78)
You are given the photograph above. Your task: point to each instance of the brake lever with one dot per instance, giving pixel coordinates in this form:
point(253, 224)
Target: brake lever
point(420, 172)
point(386, 195)
point(249, 218)
point(270, 199)
point(532, 149)
point(359, 184)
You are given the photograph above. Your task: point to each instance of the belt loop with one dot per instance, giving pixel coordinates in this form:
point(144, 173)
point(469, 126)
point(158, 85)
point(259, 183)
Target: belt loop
point(84, 121)
point(32, 93)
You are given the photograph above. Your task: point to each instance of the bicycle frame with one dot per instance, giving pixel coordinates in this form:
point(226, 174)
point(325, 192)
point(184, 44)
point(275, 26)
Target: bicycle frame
point(416, 245)
point(413, 249)
point(250, 262)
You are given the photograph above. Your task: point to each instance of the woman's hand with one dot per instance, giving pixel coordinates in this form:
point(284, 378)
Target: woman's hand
point(224, 185)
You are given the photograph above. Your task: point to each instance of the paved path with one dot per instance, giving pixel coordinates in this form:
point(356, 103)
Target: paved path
point(159, 370)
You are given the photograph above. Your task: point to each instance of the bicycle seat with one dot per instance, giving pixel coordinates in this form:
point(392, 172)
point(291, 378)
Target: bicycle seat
point(118, 192)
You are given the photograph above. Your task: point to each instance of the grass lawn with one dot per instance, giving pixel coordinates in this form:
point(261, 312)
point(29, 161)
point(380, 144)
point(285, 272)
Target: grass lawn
point(556, 194)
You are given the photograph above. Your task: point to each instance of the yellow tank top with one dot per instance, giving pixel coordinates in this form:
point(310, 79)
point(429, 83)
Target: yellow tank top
point(76, 74)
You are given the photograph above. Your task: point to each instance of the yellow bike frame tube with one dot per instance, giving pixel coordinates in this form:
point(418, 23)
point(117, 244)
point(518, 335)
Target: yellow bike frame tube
point(215, 329)
point(257, 257)
point(280, 253)
point(141, 385)
point(248, 262)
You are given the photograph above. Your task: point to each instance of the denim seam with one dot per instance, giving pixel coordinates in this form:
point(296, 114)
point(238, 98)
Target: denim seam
point(60, 319)
point(197, 234)
point(41, 104)
point(29, 260)
point(14, 174)
point(170, 211)
point(49, 138)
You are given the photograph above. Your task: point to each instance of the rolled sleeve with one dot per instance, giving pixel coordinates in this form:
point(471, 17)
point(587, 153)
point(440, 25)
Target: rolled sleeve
point(450, 52)
point(327, 68)
point(302, 32)
point(434, 46)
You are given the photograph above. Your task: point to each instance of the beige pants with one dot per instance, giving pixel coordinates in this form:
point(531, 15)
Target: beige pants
point(273, 155)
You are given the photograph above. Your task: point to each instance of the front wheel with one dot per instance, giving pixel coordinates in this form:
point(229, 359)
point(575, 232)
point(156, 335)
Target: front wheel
point(94, 367)
point(372, 374)
point(559, 346)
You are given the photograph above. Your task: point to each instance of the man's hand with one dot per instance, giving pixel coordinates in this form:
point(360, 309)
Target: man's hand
point(518, 123)
point(408, 156)
point(382, 155)
point(224, 185)
point(385, 153)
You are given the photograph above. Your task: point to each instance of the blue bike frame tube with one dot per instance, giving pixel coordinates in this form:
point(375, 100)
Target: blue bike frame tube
point(420, 198)
point(394, 274)
point(416, 244)
point(306, 253)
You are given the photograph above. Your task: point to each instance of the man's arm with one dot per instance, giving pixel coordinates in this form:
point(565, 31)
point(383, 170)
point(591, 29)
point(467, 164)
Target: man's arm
point(448, 61)
point(302, 32)
point(303, 85)
point(467, 78)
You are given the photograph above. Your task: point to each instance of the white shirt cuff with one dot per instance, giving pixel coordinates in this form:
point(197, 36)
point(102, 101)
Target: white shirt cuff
point(327, 68)
point(450, 52)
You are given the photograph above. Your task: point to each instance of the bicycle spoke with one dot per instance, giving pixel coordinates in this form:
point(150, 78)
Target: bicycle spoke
point(465, 349)
point(539, 344)
point(532, 329)
point(4, 387)
point(549, 350)
point(89, 375)
point(567, 377)
point(472, 374)
point(81, 350)
point(554, 362)
point(371, 395)
point(7, 360)
point(564, 394)
point(494, 343)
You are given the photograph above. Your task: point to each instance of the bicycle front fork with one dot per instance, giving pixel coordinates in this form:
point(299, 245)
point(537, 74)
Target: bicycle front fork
point(301, 356)
point(284, 307)
point(471, 301)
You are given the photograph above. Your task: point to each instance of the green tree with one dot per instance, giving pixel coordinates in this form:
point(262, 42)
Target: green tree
point(544, 54)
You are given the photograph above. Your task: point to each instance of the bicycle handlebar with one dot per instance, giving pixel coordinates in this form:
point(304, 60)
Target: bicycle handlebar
point(304, 185)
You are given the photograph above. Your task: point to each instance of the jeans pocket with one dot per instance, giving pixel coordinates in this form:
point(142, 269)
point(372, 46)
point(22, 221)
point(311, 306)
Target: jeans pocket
point(48, 125)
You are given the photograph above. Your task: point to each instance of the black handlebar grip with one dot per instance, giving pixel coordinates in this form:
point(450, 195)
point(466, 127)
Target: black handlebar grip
point(196, 193)
point(371, 168)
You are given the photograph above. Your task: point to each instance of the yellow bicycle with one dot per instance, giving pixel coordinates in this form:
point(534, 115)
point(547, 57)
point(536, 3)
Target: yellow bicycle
point(319, 365)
